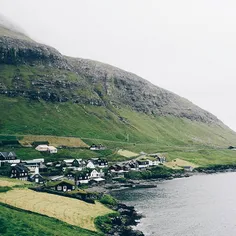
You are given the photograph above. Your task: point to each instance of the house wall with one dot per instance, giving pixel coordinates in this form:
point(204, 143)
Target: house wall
point(64, 187)
point(94, 174)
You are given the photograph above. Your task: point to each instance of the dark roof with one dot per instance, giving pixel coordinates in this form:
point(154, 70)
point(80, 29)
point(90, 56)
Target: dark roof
point(98, 161)
point(8, 154)
point(55, 183)
point(36, 176)
point(20, 168)
point(142, 162)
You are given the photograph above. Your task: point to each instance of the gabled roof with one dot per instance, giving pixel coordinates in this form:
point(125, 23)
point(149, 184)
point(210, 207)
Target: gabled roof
point(36, 175)
point(142, 161)
point(39, 160)
point(68, 160)
point(20, 168)
point(56, 177)
point(7, 154)
point(42, 146)
point(11, 154)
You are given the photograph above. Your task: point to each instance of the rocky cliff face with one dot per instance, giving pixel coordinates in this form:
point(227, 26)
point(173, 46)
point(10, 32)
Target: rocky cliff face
point(41, 72)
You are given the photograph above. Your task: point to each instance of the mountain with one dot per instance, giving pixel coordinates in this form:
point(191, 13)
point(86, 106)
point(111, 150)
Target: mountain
point(45, 92)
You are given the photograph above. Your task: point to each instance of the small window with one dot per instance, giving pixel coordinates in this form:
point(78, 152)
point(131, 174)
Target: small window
point(59, 188)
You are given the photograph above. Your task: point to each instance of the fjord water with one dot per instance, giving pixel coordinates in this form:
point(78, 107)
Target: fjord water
point(201, 205)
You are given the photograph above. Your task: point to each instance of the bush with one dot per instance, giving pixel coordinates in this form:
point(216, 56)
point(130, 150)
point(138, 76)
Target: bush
point(5, 169)
point(157, 172)
point(5, 189)
point(121, 180)
point(104, 223)
point(108, 200)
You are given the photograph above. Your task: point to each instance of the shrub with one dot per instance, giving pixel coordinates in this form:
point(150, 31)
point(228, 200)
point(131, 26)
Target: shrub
point(108, 200)
point(5, 189)
point(104, 223)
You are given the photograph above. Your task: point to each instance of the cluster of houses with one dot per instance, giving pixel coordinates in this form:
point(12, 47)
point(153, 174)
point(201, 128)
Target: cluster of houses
point(78, 170)
point(118, 170)
point(73, 172)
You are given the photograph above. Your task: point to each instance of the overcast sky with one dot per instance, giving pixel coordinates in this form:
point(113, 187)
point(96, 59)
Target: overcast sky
point(185, 46)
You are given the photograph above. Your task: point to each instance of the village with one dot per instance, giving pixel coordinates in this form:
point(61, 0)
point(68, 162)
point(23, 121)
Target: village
point(68, 174)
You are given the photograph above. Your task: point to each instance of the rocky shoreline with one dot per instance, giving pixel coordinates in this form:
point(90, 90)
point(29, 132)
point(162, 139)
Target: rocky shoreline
point(122, 224)
point(215, 169)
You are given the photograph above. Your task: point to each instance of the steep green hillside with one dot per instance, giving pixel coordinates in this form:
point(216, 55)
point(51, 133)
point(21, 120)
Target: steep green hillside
point(45, 93)
point(23, 116)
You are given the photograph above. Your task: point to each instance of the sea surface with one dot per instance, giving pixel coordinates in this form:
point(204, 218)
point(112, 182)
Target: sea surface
point(201, 205)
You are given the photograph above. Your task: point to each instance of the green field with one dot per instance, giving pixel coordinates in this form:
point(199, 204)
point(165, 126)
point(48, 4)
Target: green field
point(90, 122)
point(206, 157)
point(18, 222)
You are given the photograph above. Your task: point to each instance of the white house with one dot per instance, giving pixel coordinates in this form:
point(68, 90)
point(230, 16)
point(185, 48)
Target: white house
point(153, 162)
point(52, 149)
point(90, 165)
point(94, 174)
point(42, 148)
point(46, 148)
point(142, 164)
point(36, 177)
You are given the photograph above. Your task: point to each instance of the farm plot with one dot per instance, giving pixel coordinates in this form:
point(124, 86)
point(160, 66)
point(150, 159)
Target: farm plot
point(179, 163)
point(12, 182)
point(127, 153)
point(72, 211)
point(53, 140)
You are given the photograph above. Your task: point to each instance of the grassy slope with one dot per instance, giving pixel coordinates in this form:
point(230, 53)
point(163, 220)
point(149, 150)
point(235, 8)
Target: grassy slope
point(28, 117)
point(206, 157)
point(22, 223)
point(179, 137)
point(70, 210)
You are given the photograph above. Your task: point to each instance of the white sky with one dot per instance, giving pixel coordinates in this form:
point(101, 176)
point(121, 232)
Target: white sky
point(185, 46)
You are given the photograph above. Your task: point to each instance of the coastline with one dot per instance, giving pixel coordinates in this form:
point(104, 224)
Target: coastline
point(179, 196)
point(128, 214)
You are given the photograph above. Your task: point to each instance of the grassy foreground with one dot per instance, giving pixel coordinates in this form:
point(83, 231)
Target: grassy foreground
point(71, 211)
point(18, 222)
